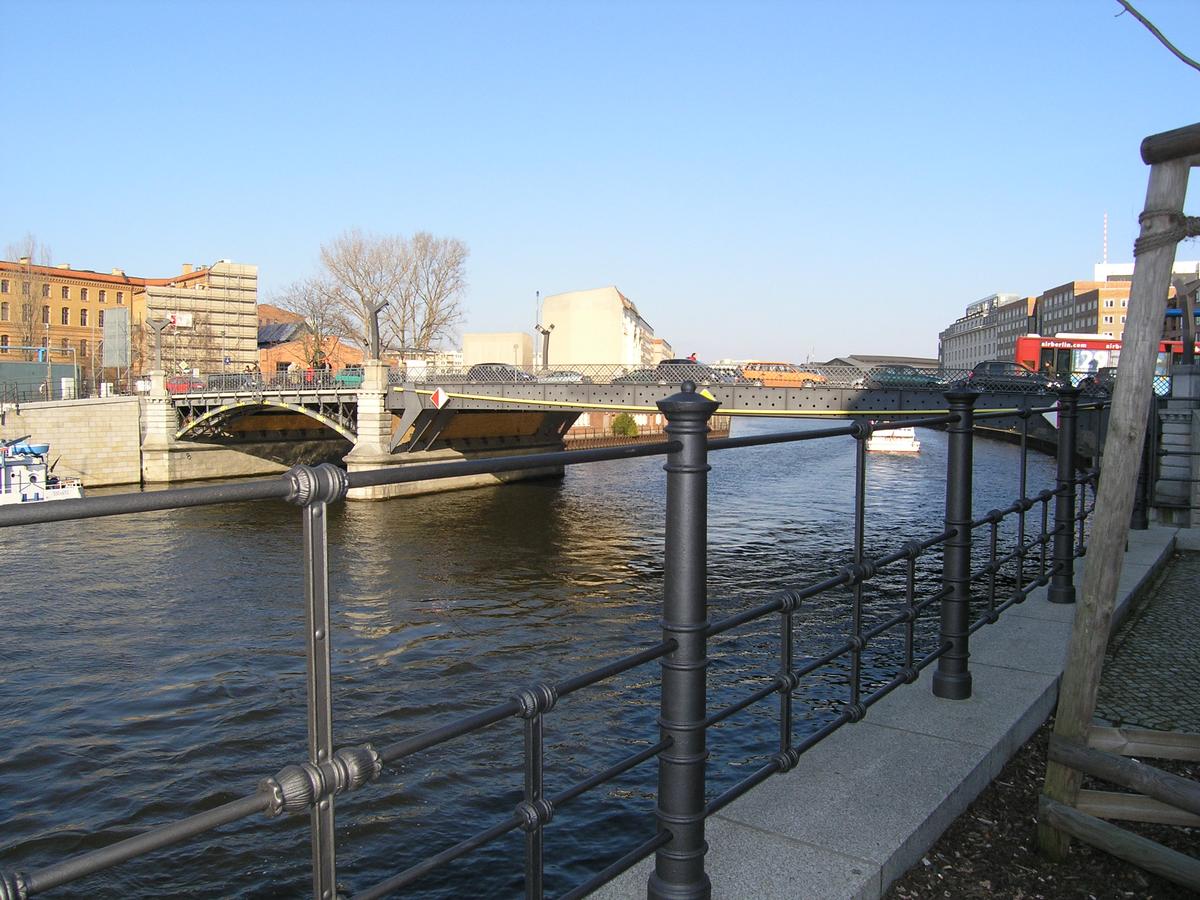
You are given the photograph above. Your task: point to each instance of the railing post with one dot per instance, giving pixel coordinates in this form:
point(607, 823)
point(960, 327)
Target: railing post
point(312, 490)
point(1062, 581)
point(952, 680)
point(679, 864)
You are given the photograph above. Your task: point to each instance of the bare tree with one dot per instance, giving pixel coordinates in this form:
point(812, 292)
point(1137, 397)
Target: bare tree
point(32, 291)
point(325, 317)
point(438, 283)
point(417, 284)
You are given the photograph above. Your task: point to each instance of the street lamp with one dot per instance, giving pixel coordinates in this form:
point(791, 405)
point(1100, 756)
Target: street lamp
point(545, 333)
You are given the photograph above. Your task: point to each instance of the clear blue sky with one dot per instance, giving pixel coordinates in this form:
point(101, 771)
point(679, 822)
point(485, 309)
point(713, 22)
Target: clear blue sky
point(762, 179)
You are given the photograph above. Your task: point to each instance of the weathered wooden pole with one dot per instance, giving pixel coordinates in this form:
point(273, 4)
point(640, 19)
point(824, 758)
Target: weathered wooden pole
point(1170, 156)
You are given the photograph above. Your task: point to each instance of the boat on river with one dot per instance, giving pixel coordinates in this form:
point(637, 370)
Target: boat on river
point(26, 477)
point(894, 440)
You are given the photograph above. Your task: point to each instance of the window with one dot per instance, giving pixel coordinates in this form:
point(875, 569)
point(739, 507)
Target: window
point(3, 343)
point(83, 317)
point(100, 318)
point(83, 294)
point(1122, 320)
point(83, 347)
point(1108, 320)
point(25, 288)
point(45, 342)
point(65, 345)
point(66, 292)
point(4, 311)
point(45, 291)
point(1124, 303)
point(120, 297)
point(103, 296)
point(66, 315)
point(1108, 303)
point(3, 285)
point(45, 315)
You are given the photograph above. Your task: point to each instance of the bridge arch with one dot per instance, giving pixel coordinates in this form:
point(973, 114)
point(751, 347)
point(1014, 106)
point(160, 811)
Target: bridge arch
point(231, 411)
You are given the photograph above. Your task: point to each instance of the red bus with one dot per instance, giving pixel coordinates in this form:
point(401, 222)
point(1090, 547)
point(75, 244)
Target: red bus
point(1083, 355)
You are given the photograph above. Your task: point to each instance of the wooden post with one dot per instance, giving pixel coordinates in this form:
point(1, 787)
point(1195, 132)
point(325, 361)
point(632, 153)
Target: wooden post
point(1171, 156)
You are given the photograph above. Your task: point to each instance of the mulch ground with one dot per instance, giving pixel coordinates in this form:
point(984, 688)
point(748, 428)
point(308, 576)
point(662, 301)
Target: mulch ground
point(991, 849)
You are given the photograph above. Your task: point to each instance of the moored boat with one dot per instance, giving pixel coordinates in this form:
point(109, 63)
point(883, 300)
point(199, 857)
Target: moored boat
point(26, 477)
point(894, 440)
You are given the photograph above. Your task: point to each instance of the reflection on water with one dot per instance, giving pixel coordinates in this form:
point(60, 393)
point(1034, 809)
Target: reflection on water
point(154, 665)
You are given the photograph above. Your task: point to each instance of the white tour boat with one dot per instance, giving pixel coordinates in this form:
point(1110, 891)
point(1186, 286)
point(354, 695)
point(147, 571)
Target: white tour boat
point(25, 477)
point(894, 440)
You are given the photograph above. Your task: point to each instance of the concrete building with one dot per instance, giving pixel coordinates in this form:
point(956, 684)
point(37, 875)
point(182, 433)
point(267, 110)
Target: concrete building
point(599, 326)
point(215, 316)
point(972, 338)
point(512, 347)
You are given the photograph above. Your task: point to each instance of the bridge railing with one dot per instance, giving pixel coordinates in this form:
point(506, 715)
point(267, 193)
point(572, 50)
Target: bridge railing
point(887, 377)
point(1043, 555)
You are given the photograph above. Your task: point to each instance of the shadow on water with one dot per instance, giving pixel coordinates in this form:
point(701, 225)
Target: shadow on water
point(155, 664)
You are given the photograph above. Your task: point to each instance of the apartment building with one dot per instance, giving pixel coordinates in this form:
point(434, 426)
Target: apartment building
point(58, 308)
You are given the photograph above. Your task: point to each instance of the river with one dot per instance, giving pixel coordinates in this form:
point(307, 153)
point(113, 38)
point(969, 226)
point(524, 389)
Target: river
point(153, 665)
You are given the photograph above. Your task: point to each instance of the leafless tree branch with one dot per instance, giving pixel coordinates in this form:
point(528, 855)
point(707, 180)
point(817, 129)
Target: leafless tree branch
point(1158, 34)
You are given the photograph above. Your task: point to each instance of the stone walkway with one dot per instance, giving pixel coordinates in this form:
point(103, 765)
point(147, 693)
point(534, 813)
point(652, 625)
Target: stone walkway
point(1151, 673)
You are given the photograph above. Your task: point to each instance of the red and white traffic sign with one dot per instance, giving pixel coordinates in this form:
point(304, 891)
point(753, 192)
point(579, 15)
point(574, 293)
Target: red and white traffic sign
point(439, 398)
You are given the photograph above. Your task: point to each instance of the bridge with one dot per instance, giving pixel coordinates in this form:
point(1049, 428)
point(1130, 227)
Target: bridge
point(437, 415)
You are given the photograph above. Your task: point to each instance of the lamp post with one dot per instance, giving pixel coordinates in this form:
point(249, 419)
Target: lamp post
point(545, 333)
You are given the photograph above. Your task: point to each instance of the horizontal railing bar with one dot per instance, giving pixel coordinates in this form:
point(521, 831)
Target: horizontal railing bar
point(749, 700)
point(488, 465)
point(564, 797)
point(570, 685)
point(1015, 411)
point(149, 501)
point(771, 606)
point(426, 866)
point(146, 842)
point(920, 606)
point(751, 781)
point(448, 732)
point(780, 437)
point(628, 861)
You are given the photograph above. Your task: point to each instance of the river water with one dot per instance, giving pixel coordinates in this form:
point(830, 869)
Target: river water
point(152, 666)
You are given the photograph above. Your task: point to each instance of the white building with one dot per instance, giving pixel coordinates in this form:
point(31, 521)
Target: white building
point(972, 338)
point(597, 327)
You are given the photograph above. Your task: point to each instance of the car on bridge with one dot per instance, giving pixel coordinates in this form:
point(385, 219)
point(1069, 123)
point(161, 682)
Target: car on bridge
point(498, 373)
point(904, 376)
point(780, 374)
point(564, 376)
point(1005, 375)
point(184, 384)
point(350, 376)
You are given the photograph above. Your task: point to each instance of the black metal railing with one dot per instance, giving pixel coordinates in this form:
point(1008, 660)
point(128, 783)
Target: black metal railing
point(310, 787)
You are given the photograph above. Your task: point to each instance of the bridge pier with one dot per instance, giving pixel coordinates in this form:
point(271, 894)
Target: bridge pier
point(371, 450)
point(161, 421)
